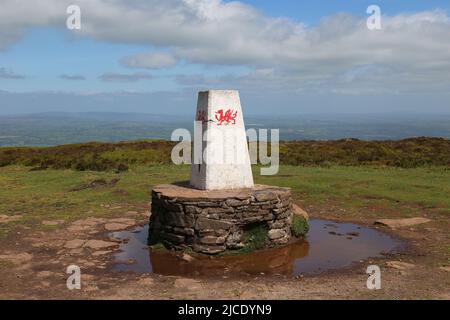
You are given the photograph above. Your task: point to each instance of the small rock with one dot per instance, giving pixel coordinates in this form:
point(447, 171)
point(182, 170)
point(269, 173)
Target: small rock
point(99, 244)
point(114, 226)
point(276, 234)
point(189, 284)
point(398, 223)
point(89, 264)
point(399, 265)
point(300, 212)
point(90, 288)
point(100, 253)
point(212, 240)
point(74, 244)
point(77, 228)
point(44, 274)
point(126, 221)
point(187, 258)
point(87, 277)
point(209, 249)
point(16, 257)
point(146, 282)
point(75, 251)
point(246, 295)
point(113, 238)
point(52, 222)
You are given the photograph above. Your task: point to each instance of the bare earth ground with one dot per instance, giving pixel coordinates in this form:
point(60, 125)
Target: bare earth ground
point(33, 264)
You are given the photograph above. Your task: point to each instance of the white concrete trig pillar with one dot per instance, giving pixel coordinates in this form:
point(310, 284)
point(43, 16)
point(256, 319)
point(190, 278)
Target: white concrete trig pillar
point(221, 159)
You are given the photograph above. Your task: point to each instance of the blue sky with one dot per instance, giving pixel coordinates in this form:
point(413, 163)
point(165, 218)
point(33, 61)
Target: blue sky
point(44, 54)
point(312, 11)
point(308, 56)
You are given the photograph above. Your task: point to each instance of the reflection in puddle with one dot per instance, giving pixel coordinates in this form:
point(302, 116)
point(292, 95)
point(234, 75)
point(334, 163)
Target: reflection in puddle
point(329, 245)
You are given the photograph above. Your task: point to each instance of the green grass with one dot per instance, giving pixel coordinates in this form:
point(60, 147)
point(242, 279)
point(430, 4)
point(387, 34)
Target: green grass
point(299, 227)
point(372, 191)
point(255, 238)
point(405, 190)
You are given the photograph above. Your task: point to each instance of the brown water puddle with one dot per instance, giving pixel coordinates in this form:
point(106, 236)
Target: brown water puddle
point(328, 246)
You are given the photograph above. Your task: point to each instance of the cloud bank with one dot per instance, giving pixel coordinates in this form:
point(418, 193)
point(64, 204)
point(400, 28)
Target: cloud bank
point(8, 74)
point(120, 77)
point(338, 55)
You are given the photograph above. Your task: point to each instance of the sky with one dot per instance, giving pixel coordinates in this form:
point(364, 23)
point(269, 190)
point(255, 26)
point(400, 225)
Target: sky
point(289, 57)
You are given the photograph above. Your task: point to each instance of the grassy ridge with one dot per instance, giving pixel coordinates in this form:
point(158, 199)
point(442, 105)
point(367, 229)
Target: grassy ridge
point(408, 153)
point(373, 192)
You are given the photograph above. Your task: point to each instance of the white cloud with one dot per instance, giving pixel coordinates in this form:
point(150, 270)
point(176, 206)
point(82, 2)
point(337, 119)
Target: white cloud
point(410, 53)
point(120, 77)
point(150, 61)
point(8, 74)
point(74, 77)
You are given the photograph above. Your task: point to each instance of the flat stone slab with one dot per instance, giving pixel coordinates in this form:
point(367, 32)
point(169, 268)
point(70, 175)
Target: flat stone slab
point(185, 191)
point(99, 244)
point(399, 223)
point(74, 243)
point(119, 224)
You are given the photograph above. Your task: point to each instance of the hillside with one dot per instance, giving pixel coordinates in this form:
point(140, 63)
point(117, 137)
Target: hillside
point(96, 156)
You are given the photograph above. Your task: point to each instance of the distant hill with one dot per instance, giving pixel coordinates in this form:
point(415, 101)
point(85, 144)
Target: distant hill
point(50, 129)
point(407, 153)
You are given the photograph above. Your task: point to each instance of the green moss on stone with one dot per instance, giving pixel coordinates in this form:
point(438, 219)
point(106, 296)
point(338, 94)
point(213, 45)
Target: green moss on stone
point(300, 226)
point(255, 237)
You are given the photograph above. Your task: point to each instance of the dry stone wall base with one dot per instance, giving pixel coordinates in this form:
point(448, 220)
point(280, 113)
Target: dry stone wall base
point(214, 221)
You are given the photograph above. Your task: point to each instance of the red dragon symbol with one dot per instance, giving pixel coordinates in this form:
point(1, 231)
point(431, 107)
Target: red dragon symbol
point(229, 117)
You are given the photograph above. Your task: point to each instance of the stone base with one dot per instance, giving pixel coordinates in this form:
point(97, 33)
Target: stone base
point(214, 221)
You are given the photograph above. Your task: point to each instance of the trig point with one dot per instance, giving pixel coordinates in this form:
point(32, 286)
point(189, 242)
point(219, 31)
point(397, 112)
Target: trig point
point(220, 157)
point(216, 210)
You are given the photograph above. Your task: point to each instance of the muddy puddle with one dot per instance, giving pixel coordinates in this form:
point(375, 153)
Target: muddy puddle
point(328, 246)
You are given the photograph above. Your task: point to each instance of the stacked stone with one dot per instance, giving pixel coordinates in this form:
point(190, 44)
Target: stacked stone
point(215, 222)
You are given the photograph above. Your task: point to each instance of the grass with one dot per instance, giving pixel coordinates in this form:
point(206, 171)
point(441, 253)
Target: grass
point(370, 190)
point(95, 156)
point(406, 191)
point(299, 227)
point(254, 237)
point(401, 177)
point(358, 193)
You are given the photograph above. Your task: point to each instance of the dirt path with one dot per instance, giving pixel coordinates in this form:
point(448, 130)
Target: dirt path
point(33, 266)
